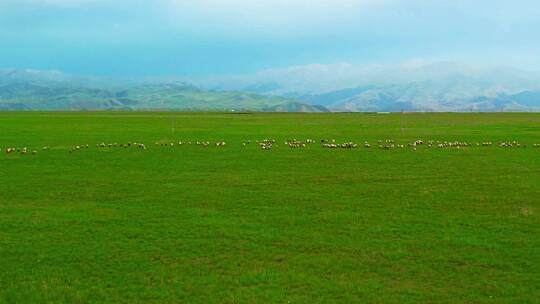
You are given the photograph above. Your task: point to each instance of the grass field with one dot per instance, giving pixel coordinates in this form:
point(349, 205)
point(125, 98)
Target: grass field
point(244, 225)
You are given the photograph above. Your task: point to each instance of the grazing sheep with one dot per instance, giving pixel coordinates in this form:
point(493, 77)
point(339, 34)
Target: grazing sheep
point(510, 144)
point(330, 146)
point(295, 143)
point(270, 143)
point(265, 146)
point(349, 145)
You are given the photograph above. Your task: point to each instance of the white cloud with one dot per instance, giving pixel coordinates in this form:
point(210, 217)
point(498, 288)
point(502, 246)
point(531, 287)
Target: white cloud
point(269, 16)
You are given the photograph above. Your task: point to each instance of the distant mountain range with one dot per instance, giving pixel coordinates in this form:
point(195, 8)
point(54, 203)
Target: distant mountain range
point(416, 86)
point(314, 88)
point(412, 98)
point(37, 90)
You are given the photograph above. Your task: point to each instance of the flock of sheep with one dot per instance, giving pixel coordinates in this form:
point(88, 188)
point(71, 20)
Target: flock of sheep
point(269, 144)
point(198, 143)
point(24, 150)
point(388, 144)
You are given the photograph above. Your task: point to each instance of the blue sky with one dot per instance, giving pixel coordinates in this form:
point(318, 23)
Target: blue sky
point(216, 37)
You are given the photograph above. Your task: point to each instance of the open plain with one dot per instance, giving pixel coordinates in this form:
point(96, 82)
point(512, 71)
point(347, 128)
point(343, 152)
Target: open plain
point(170, 207)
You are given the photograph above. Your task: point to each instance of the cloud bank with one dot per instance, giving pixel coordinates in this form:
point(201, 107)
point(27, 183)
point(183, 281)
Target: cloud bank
point(202, 37)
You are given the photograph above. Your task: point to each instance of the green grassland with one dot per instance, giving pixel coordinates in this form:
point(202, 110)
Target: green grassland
point(239, 224)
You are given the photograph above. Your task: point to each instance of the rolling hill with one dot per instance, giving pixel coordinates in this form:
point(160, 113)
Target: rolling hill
point(427, 89)
point(20, 90)
point(408, 87)
point(424, 97)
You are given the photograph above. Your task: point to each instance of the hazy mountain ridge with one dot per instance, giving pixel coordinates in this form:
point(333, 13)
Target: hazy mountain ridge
point(37, 90)
point(422, 97)
point(408, 87)
point(313, 88)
